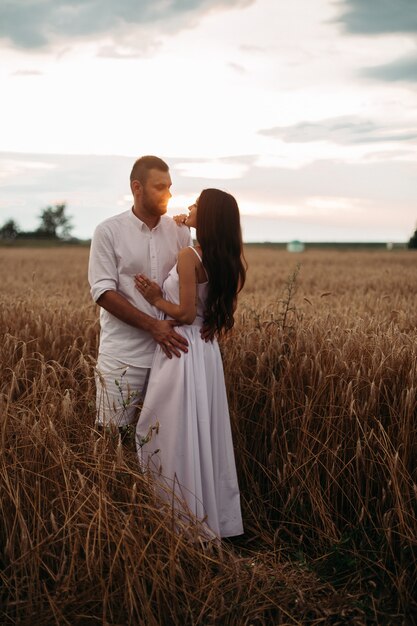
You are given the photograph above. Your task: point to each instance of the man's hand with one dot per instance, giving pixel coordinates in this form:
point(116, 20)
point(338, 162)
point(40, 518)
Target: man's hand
point(171, 342)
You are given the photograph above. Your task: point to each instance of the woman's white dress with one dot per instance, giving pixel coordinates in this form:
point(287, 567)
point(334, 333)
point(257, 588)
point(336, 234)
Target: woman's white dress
point(183, 434)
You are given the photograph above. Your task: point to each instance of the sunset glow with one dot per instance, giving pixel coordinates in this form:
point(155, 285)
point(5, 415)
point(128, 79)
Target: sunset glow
point(303, 110)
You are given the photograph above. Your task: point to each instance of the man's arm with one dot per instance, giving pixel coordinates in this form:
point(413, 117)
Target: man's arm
point(103, 279)
point(117, 305)
point(162, 331)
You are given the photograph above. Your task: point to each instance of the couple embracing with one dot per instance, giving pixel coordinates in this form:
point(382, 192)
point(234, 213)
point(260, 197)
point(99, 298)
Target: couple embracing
point(162, 303)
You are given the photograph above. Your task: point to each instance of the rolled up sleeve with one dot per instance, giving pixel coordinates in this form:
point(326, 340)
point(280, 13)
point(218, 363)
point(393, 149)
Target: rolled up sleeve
point(102, 266)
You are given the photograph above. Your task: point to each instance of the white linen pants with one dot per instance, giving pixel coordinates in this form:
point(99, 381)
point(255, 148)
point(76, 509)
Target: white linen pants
point(119, 390)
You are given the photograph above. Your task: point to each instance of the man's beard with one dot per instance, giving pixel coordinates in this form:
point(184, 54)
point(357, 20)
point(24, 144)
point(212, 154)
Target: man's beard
point(151, 206)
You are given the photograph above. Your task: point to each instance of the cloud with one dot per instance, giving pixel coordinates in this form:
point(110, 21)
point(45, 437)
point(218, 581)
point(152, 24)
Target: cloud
point(404, 69)
point(213, 169)
point(40, 23)
point(237, 68)
point(27, 73)
point(370, 17)
point(384, 17)
point(376, 200)
point(250, 49)
point(341, 130)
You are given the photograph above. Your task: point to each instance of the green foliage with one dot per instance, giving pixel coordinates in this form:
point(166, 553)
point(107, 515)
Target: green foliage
point(412, 244)
point(55, 224)
point(9, 230)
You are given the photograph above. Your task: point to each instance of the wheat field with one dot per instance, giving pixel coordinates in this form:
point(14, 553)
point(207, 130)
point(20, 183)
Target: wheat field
point(321, 376)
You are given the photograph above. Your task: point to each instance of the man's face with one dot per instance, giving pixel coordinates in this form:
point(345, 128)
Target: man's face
point(156, 192)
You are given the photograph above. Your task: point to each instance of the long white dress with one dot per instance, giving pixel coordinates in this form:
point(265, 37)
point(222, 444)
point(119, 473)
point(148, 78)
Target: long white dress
point(183, 434)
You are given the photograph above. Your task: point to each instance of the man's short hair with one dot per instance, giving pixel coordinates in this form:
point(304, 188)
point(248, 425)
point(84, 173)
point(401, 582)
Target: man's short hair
point(141, 167)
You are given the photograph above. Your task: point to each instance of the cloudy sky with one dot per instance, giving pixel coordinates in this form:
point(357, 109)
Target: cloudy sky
point(305, 110)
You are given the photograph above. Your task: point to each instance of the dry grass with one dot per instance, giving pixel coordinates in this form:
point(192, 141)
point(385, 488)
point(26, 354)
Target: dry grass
point(322, 386)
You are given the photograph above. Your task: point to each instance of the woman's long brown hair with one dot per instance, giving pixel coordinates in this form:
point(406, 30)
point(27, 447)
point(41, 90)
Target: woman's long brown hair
point(220, 237)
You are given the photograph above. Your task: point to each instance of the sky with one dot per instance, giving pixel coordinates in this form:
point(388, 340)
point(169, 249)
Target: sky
point(304, 110)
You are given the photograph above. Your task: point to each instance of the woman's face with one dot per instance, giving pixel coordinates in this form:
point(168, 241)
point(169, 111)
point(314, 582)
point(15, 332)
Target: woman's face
point(192, 217)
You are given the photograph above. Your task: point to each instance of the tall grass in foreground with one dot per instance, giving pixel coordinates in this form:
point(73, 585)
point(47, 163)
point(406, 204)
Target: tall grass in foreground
point(321, 376)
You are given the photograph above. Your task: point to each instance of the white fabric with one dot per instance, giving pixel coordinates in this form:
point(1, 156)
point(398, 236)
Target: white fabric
point(123, 246)
point(185, 417)
point(119, 389)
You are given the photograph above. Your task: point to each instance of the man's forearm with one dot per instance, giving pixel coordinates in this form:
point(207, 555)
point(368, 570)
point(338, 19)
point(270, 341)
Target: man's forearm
point(121, 308)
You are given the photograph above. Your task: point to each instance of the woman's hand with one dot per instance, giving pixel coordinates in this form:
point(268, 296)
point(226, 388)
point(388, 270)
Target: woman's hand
point(207, 333)
point(180, 219)
point(150, 291)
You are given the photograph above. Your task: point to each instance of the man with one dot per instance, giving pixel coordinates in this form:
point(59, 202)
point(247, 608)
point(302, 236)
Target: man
point(142, 240)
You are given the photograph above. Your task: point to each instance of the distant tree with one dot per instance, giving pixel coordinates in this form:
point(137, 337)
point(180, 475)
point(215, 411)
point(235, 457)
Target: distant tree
point(413, 240)
point(55, 224)
point(9, 230)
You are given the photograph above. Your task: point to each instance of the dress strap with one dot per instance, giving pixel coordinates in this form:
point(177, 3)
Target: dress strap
point(199, 257)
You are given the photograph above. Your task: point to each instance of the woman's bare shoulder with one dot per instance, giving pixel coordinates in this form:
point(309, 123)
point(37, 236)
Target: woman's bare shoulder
point(187, 254)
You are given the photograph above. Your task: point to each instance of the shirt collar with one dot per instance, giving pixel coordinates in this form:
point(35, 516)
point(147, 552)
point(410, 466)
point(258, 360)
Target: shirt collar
point(139, 224)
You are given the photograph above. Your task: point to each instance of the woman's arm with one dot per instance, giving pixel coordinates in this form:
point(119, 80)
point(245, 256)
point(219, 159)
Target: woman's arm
point(186, 310)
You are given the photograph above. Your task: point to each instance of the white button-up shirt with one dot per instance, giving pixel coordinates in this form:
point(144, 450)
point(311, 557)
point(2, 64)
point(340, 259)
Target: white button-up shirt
point(123, 246)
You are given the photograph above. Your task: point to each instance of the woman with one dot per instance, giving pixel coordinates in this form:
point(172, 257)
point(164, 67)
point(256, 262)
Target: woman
point(183, 434)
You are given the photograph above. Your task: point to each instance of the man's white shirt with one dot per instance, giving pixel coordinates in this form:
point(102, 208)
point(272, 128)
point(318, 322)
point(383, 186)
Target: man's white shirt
point(123, 246)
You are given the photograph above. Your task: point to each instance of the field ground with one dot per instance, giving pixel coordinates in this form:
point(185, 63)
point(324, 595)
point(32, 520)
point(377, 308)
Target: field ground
point(321, 372)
